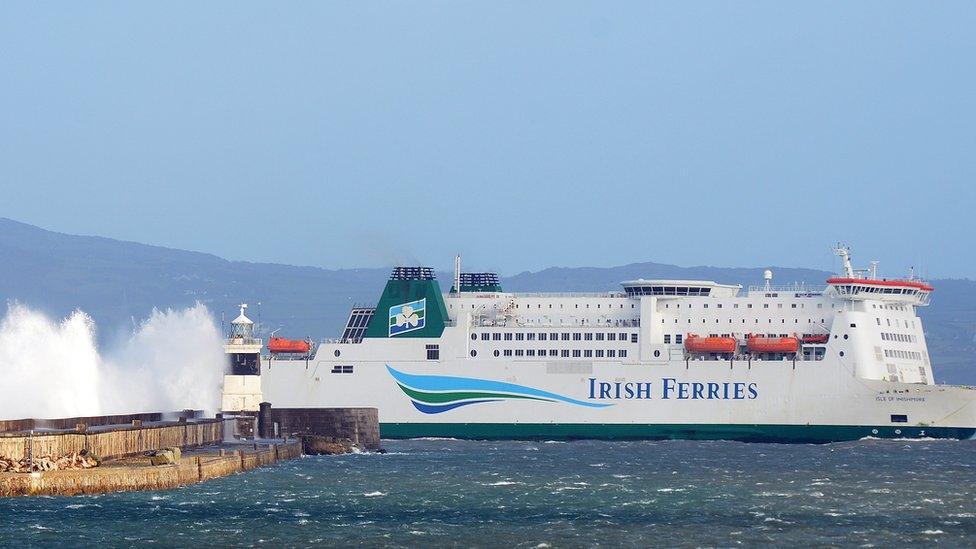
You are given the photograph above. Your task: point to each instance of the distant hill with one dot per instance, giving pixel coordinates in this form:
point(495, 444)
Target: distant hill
point(119, 282)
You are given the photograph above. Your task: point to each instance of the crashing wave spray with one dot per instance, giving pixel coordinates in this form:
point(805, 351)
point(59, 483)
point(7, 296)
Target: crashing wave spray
point(172, 360)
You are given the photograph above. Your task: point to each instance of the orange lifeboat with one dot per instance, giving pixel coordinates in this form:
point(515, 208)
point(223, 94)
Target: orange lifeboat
point(282, 345)
point(815, 339)
point(711, 344)
point(763, 344)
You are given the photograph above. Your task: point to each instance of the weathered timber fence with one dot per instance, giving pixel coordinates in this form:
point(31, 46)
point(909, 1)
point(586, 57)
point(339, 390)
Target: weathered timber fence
point(123, 441)
point(11, 425)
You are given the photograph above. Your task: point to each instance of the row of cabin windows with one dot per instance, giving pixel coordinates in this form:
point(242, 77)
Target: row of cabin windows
point(904, 338)
point(678, 337)
point(563, 353)
point(564, 336)
point(539, 306)
point(736, 305)
point(888, 307)
point(770, 321)
point(897, 353)
point(907, 323)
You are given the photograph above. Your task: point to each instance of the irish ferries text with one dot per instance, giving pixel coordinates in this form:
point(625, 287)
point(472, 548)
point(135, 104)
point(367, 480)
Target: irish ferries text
point(670, 388)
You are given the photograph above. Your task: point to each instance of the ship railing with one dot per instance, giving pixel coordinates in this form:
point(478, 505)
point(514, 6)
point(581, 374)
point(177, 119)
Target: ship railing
point(569, 294)
point(336, 340)
point(244, 341)
point(489, 322)
point(802, 290)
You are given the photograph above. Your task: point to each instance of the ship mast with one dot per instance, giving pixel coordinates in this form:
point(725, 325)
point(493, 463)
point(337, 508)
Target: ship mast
point(845, 256)
point(457, 273)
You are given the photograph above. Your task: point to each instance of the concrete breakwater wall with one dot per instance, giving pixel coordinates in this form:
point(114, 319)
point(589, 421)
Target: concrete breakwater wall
point(117, 441)
point(127, 477)
point(360, 426)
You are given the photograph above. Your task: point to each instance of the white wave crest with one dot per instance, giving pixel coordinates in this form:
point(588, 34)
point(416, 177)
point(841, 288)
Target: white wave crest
point(172, 360)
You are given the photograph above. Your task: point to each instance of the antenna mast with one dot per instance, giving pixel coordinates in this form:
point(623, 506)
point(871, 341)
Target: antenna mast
point(845, 256)
point(457, 273)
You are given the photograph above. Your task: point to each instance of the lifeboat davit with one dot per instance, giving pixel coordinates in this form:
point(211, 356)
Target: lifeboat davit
point(763, 344)
point(814, 339)
point(711, 344)
point(282, 345)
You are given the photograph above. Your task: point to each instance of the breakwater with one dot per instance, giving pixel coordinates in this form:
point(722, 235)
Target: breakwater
point(138, 474)
point(112, 441)
point(121, 446)
point(359, 426)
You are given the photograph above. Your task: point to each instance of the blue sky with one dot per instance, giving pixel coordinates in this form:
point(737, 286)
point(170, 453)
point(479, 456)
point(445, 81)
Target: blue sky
point(522, 134)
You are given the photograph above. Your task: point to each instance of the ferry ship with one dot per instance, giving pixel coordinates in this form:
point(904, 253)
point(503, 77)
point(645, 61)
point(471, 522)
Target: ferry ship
point(659, 359)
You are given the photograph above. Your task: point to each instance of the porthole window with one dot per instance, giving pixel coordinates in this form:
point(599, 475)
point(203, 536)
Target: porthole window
point(474, 337)
point(474, 353)
point(496, 352)
point(337, 353)
point(841, 353)
point(845, 336)
point(657, 354)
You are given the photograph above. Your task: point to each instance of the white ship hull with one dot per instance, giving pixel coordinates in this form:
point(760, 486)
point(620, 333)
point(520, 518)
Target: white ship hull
point(810, 403)
point(791, 365)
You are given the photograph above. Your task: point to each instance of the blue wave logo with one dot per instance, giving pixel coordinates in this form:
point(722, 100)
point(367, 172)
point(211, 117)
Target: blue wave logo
point(437, 394)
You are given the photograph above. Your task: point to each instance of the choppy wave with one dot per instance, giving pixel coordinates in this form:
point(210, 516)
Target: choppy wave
point(585, 493)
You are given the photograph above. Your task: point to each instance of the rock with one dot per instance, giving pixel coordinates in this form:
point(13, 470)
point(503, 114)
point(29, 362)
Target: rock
point(168, 456)
point(313, 445)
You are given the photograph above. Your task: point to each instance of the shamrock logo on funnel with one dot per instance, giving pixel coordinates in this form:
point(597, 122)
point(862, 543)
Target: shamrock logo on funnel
point(407, 317)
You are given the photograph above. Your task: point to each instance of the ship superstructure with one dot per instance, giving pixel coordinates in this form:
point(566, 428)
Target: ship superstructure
point(657, 359)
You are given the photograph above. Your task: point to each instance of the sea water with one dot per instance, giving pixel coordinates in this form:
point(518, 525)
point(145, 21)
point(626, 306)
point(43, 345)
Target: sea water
point(536, 494)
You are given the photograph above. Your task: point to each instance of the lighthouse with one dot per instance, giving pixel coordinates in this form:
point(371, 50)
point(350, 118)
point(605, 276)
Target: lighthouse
point(242, 386)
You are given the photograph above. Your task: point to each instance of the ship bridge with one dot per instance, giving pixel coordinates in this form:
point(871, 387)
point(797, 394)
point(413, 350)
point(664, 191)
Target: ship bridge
point(864, 284)
point(912, 292)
